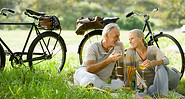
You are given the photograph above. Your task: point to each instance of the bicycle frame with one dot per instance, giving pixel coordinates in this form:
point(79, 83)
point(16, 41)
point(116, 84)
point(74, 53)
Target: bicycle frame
point(148, 26)
point(45, 46)
point(27, 39)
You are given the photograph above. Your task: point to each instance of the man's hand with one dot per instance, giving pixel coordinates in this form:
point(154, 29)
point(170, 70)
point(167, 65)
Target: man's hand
point(114, 57)
point(94, 67)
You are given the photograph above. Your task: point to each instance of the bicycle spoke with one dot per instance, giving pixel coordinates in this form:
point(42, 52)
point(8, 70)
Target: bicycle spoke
point(48, 42)
point(51, 53)
point(38, 62)
point(91, 37)
point(55, 44)
point(56, 52)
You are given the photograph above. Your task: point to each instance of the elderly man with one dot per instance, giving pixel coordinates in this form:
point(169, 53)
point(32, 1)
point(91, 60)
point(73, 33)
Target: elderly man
point(100, 58)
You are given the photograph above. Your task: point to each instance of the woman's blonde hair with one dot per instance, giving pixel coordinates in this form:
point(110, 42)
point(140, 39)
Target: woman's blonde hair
point(140, 34)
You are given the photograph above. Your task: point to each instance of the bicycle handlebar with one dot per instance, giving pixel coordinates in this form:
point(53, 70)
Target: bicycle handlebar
point(12, 11)
point(6, 9)
point(155, 9)
point(132, 13)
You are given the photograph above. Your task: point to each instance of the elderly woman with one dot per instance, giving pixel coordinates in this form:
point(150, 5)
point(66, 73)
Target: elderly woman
point(159, 78)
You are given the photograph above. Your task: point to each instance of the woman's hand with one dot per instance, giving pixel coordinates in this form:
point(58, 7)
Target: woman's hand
point(147, 63)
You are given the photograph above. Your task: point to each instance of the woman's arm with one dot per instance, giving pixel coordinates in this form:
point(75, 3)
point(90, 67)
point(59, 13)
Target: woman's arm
point(148, 63)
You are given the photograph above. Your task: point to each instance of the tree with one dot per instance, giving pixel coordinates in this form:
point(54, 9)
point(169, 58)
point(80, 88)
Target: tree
point(175, 16)
point(6, 4)
point(171, 12)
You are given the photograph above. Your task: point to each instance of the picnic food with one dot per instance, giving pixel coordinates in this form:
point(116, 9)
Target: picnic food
point(131, 70)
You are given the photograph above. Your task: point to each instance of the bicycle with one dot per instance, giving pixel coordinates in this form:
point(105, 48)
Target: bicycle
point(152, 39)
point(93, 35)
point(46, 46)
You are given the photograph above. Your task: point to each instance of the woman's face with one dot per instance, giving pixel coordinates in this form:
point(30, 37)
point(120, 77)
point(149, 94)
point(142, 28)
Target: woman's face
point(134, 40)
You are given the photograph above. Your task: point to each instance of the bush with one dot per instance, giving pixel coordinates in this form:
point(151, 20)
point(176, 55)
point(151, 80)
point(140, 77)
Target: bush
point(130, 23)
point(84, 9)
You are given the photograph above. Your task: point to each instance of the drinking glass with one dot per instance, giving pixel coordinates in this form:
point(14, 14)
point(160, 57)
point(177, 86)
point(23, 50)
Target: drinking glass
point(142, 70)
point(119, 69)
point(143, 81)
point(118, 51)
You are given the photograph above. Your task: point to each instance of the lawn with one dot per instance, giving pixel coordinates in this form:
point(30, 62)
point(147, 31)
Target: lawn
point(45, 82)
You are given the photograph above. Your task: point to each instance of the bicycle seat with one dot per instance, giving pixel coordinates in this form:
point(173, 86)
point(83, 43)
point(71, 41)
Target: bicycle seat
point(35, 13)
point(110, 20)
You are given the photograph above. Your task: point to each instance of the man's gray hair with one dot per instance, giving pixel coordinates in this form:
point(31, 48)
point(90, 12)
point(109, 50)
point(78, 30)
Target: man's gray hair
point(140, 34)
point(108, 28)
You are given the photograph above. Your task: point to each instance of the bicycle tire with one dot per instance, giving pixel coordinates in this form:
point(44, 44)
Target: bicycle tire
point(172, 49)
point(2, 58)
point(37, 51)
point(90, 37)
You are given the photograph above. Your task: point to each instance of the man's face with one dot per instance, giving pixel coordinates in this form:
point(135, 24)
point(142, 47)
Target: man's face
point(113, 37)
point(134, 40)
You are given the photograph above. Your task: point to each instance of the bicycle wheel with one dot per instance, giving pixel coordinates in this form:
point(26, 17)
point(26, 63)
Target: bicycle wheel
point(89, 38)
point(48, 48)
point(172, 49)
point(2, 58)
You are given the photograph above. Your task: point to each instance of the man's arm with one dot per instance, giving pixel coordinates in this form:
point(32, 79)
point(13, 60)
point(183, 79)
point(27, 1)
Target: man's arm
point(94, 67)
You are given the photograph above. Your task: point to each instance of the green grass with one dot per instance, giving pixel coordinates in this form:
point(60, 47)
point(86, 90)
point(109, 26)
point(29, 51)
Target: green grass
point(24, 83)
point(45, 82)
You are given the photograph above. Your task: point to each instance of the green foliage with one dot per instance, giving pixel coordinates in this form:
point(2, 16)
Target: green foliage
point(83, 9)
point(89, 9)
point(131, 23)
point(6, 3)
point(174, 13)
point(146, 5)
point(171, 12)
